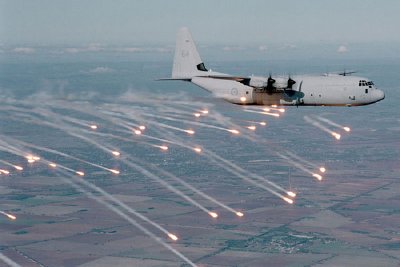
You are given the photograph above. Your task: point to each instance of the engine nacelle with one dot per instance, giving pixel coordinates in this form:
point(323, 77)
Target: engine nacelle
point(270, 83)
point(281, 83)
point(258, 82)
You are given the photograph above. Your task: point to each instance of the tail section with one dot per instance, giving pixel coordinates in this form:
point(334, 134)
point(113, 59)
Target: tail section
point(187, 61)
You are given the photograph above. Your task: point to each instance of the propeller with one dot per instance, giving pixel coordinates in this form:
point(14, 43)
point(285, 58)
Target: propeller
point(289, 89)
point(290, 83)
point(270, 83)
point(346, 73)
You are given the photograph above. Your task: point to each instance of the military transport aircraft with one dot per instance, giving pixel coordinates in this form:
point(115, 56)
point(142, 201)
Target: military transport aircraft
point(339, 89)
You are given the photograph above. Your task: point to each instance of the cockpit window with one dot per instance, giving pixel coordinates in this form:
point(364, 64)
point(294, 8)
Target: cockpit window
point(201, 67)
point(365, 83)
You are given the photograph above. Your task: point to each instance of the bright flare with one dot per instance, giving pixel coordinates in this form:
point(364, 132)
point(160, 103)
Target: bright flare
point(172, 236)
point(197, 149)
point(263, 123)
point(243, 99)
point(18, 168)
point(319, 177)
point(322, 169)
point(204, 111)
point(114, 171)
point(234, 131)
point(164, 147)
point(138, 132)
point(274, 106)
point(142, 127)
point(266, 109)
point(189, 131)
point(4, 171)
point(80, 173)
point(336, 135)
point(213, 214)
point(239, 214)
point(30, 158)
point(288, 200)
point(36, 158)
point(347, 129)
point(197, 115)
point(281, 110)
point(292, 194)
point(53, 165)
point(252, 127)
point(93, 127)
point(116, 153)
point(10, 216)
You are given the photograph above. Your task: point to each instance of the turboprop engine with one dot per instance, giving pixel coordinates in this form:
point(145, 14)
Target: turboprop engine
point(272, 85)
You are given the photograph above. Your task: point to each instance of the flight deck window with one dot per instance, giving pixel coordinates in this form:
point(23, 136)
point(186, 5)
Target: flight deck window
point(201, 67)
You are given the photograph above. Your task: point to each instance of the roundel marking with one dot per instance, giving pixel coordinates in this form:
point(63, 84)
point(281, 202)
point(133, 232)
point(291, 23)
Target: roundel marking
point(234, 91)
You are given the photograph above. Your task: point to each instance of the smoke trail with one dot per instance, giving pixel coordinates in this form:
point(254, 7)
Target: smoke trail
point(321, 127)
point(301, 167)
point(17, 167)
point(347, 129)
point(52, 151)
point(8, 261)
point(125, 216)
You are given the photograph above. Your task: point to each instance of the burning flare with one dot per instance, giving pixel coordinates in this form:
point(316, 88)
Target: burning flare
point(213, 214)
point(10, 216)
point(197, 149)
point(53, 165)
point(4, 171)
point(234, 131)
point(18, 167)
point(172, 236)
point(116, 153)
point(288, 200)
point(336, 135)
point(114, 171)
point(319, 177)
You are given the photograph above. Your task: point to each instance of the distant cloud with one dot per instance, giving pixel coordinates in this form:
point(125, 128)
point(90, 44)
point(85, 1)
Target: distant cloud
point(342, 49)
point(163, 49)
point(233, 48)
point(24, 50)
point(262, 48)
point(143, 49)
point(72, 50)
point(130, 49)
point(90, 48)
point(288, 47)
point(101, 70)
point(94, 47)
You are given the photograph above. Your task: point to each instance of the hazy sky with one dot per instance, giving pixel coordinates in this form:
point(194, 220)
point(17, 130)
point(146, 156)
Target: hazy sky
point(211, 21)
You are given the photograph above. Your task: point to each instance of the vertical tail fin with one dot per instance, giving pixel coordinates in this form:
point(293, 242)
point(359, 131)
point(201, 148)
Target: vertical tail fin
point(187, 61)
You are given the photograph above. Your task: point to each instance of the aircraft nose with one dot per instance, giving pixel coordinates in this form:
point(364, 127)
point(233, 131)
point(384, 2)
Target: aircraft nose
point(380, 95)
